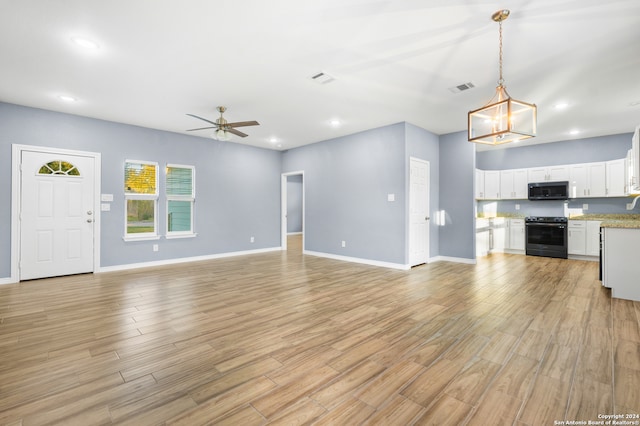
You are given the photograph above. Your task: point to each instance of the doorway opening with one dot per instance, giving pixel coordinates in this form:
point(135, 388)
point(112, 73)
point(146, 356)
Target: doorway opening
point(292, 211)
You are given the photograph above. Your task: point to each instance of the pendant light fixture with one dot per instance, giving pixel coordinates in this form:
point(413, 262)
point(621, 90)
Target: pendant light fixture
point(503, 119)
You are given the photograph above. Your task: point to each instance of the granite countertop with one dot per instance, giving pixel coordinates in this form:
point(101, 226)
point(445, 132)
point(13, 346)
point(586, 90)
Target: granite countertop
point(505, 215)
point(630, 221)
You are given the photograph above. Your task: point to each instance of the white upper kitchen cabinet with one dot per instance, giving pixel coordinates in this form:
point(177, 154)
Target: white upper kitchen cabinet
point(634, 162)
point(492, 184)
point(587, 180)
point(513, 184)
point(548, 174)
point(616, 184)
point(479, 184)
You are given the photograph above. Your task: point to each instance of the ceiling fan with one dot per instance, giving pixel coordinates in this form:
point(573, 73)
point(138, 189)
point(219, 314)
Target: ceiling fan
point(224, 128)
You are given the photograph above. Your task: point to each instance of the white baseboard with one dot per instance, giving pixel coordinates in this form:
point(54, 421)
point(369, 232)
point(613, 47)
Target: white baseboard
point(584, 257)
point(358, 260)
point(8, 280)
point(453, 259)
point(294, 233)
point(514, 251)
point(184, 260)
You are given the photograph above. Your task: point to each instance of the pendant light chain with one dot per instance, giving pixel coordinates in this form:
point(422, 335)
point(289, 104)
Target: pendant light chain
point(501, 80)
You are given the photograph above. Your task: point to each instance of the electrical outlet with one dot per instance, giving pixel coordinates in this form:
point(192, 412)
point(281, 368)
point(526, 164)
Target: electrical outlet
point(517, 206)
point(585, 207)
point(344, 244)
point(155, 247)
point(252, 240)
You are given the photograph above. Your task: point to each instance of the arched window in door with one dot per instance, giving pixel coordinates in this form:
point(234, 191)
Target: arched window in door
point(59, 167)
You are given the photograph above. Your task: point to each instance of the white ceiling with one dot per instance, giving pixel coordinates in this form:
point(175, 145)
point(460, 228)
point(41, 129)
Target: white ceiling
point(392, 60)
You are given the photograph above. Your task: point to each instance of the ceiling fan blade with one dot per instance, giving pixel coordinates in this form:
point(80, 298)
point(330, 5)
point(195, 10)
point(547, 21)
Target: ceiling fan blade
point(200, 128)
point(243, 124)
point(203, 119)
point(236, 132)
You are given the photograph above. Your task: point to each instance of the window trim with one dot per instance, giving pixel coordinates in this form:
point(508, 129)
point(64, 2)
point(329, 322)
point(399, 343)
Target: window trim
point(133, 196)
point(192, 199)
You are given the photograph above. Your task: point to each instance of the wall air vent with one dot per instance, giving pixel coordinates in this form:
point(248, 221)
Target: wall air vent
point(462, 87)
point(322, 78)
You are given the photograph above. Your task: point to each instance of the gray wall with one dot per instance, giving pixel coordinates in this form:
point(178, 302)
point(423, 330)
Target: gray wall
point(576, 151)
point(232, 181)
point(346, 185)
point(425, 145)
point(457, 174)
point(294, 203)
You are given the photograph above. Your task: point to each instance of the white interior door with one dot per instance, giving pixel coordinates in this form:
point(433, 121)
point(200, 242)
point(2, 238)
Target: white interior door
point(418, 211)
point(56, 214)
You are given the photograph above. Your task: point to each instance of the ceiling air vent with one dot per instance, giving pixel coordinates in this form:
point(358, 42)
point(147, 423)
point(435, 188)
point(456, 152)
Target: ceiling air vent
point(322, 78)
point(462, 87)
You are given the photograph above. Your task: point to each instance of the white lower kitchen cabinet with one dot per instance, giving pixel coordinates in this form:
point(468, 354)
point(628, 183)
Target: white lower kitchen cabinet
point(584, 238)
point(621, 269)
point(491, 235)
point(577, 237)
point(593, 238)
point(482, 237)
point(499, 234)
point(516, 234)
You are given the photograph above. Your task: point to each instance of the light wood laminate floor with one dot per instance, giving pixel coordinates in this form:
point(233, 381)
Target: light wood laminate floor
point(282, 338)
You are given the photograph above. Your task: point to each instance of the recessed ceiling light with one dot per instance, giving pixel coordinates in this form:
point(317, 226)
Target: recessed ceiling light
point(561, 105)
point(574, 132)
point(67, 98)
point(273, 140)
point(335, 123)
point(85, 42)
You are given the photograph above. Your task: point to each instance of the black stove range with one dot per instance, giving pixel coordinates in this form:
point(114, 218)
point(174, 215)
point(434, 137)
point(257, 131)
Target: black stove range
point(546, 236)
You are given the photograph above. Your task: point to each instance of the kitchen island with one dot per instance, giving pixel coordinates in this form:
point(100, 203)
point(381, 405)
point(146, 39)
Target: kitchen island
point(621, 257)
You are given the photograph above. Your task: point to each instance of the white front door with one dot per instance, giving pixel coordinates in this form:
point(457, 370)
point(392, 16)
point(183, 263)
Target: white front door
point(56, 214)
point(418, 211)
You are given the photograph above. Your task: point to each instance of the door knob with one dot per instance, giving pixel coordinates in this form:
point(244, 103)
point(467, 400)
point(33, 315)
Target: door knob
point(427, 218)
point(89, 212)
point(89, 220)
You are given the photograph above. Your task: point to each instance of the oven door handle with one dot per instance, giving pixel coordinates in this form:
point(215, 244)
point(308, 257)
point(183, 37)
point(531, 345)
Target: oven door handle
point(547, 225)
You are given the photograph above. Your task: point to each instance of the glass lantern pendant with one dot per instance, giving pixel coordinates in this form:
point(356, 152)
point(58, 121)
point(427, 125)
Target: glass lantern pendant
point(503, 119)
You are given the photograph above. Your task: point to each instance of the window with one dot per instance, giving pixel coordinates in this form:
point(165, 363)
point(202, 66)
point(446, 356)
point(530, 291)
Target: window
point(59, 167)
point(180, 189)
point(141, 195)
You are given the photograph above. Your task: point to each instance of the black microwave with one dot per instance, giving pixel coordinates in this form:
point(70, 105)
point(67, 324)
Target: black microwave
point(549, 190)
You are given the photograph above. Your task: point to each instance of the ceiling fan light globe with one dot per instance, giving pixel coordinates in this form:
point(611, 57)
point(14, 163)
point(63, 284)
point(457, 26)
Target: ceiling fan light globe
point(222, 135)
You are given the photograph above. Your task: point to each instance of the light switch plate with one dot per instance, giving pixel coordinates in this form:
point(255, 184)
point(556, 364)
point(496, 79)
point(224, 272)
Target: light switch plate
point(391, 197)
point(105, 207)
point(106, 197)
